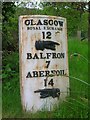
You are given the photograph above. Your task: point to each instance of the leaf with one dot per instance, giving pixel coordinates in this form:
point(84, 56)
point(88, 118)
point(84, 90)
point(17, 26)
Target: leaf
point(4, 76)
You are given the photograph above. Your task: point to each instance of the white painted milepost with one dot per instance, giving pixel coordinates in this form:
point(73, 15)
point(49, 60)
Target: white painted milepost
point(43, 61)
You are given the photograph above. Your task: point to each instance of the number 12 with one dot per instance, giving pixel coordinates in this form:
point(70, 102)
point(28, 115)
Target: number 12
point(46, 35)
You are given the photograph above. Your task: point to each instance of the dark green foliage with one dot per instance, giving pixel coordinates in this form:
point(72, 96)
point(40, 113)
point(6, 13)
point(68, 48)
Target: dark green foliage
point(8, 9)
point(9, 27)
point(10, 70)
point(75, 13)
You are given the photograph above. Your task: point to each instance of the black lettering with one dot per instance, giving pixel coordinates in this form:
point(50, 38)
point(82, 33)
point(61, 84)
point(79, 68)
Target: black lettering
point(48, 63)
point(52, 28)
point(63, 72)
point(60, 72)
point(47, 73)
point(35, 73)
point(35, 56)
point(39, 22)
point(56, 23)
point(48, 55)
point(45, 22)
point(48, 28)
point(33, 28)
point(32, 22)
point(60, 29)
point(44, 28)
point(51, 82)
point(29, 56)
point(45, 82)
point(29, 75)
point(41, 73)
point(54, 55)
point(41, 56)
point(60, 55)
point(36, 28)
point(48, 35)
point(61, 23)
point(53, 72)
point(50, 22)
point(28, 28)
point(27, 22)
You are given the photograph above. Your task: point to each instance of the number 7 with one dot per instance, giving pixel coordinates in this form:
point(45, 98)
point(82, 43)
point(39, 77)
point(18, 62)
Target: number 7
point(48, 63)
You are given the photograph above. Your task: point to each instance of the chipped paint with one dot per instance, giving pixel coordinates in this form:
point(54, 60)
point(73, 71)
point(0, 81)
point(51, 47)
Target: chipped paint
point(44, 63)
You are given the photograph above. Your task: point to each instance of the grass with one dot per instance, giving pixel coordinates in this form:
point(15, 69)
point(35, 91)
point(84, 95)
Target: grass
point(75, 106)
point(78, 67)
point(0, 101)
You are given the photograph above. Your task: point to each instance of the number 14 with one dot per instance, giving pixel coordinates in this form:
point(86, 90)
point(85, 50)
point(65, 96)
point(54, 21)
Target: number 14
point(49, 83)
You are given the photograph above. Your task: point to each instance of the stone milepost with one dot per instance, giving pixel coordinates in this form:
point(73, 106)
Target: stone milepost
point(43, 61)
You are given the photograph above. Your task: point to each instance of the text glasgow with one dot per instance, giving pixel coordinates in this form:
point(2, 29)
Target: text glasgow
point(44, 22)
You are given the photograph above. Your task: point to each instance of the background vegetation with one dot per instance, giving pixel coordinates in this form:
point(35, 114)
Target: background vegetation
point(76, 105)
